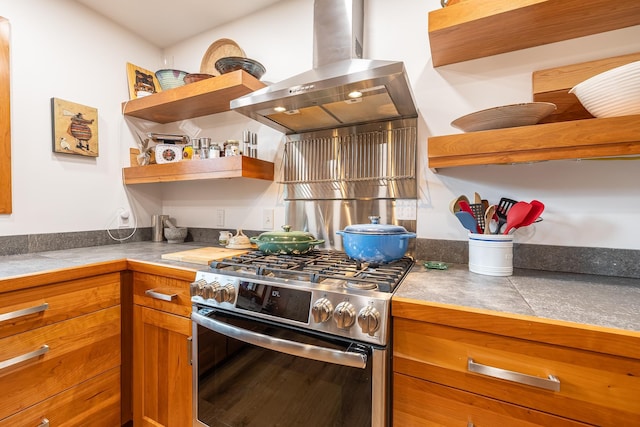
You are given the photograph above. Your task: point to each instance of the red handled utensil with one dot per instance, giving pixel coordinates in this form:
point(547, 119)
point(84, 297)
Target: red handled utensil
point(537, 207)
point(516, 215)
point(465, 207)
point(502, 209)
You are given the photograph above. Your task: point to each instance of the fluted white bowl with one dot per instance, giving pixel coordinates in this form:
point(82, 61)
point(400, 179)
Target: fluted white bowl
point(613, 93)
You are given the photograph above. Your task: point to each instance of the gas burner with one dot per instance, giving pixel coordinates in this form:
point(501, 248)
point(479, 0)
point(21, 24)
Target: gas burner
point(364, 286)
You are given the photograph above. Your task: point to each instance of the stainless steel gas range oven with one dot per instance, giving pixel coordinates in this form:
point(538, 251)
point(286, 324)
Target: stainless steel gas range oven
point(293, 340)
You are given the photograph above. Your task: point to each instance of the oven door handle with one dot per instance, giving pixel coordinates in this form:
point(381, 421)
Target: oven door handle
point(314, 352)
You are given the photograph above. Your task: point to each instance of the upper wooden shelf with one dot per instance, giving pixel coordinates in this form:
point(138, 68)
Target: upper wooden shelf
point(474, 29)
point(577, 139)
point(190, 170)
point(198, 99)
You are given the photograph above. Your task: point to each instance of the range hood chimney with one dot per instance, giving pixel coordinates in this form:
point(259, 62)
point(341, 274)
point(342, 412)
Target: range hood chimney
point(342, 89)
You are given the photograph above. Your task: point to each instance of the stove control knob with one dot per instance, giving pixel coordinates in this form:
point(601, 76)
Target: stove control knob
point(209, 290)
point(197, 286)
point(344, 315)
point(321, 310)
point(224, 293)
point(369, 320)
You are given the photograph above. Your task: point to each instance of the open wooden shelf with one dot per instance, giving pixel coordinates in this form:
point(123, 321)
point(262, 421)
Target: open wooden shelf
point(189, 170)
point(474, 29)
point(577, 139)
point(197, 99)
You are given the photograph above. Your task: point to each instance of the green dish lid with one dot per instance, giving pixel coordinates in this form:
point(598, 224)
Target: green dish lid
point(286, 236)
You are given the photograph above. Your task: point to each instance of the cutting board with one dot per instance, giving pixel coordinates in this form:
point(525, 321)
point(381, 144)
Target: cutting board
point(204, 256)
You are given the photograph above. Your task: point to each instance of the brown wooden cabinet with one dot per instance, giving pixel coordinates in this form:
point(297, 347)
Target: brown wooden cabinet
point(60, 340)
point(450, 364)
point(198, 99)
point(162, 373)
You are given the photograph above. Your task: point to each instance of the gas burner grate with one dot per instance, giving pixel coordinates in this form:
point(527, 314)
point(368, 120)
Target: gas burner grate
point(319, 265)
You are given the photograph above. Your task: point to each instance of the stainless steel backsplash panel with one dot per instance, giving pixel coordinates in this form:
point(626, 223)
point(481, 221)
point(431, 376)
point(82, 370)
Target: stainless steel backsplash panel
point(373, 161)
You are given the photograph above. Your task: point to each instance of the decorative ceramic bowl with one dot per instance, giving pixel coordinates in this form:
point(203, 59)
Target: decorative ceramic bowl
point(233, 63)
point(196, 77)
point(175, 234)
point(615, 92)
point(170, 79)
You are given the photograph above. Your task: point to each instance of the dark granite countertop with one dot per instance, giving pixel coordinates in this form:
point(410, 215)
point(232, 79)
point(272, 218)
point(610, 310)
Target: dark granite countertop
point(18, 265)
point(586, 299)
point(612, 302)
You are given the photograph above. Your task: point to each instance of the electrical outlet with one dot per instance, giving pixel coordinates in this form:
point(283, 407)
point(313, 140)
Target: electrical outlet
point(123, 218)
point(267, 219)
point(406, 209)
point(219, 217)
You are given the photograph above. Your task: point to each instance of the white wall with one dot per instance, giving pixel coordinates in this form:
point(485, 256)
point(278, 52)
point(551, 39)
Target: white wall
point(589, 203)
point(61, 49)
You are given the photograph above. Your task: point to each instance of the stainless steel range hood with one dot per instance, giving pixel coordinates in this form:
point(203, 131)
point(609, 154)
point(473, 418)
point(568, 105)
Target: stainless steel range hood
point(342, 89)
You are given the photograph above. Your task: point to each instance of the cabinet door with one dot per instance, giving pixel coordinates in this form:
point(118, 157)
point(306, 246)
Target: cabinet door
point(162, 391)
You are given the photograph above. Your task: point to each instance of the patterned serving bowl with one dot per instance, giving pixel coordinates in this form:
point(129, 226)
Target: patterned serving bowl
point(233, 63)
point(170, 79)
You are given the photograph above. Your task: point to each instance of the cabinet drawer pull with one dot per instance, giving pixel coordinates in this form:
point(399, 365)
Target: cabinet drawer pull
point(44, 423)
point(159, 295)
point(24, 312)
point(23, 358)
point(552, 383)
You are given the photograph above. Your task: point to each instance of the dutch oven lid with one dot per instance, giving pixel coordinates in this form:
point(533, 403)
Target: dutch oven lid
point(286, 236)
point(375, 228)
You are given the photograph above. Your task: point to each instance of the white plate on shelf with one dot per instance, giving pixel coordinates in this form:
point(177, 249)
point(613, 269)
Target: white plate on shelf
point(505, 116)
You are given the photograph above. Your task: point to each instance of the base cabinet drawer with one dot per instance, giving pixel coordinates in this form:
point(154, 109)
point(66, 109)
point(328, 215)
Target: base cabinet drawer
point(43, 362)
point(587, 386)
point(419, 403)
point(95, 403)
point(32, 308)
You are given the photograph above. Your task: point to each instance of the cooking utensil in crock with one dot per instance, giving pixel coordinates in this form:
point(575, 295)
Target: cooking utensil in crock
point(468, 221)
point(488, 216)
point(502, 210)
point(466, 207)
point(375, 243)
point(516, 215)
point(454, 206)
point(537, 207)
point(478, 214)
point(285, 242)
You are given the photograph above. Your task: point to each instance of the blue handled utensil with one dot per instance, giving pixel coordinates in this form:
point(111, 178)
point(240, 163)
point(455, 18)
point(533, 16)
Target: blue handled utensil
point(468, 221)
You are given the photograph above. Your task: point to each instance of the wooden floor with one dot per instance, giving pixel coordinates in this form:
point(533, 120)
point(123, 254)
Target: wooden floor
point(259, 388)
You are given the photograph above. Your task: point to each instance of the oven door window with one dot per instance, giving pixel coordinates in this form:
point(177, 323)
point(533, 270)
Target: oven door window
point(241, 384)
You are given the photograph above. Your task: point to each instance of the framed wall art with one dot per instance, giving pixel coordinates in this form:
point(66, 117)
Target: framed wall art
point(75, 128)
point(141, 82)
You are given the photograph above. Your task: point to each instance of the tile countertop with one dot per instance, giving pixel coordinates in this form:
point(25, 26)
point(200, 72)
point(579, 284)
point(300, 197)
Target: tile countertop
point(587, 299)
point(17, 265)
point(612, 302)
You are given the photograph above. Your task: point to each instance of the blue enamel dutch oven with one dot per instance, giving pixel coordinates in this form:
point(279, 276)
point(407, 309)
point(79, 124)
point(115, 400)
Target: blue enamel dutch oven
point(374, 242)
